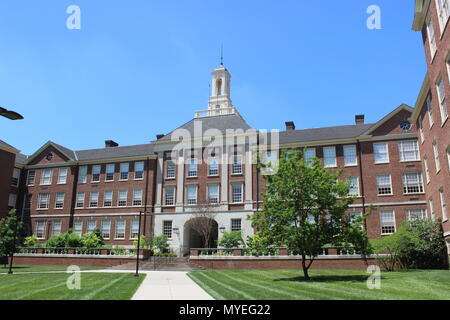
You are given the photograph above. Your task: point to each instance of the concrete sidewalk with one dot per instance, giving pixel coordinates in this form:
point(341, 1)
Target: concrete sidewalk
point(169, 285)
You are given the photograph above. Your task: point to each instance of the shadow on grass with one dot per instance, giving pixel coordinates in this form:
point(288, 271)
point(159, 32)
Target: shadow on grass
point(343, 278)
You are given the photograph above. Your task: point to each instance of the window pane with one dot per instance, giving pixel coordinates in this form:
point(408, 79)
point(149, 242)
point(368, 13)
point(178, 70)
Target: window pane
point(350, 155)
point(167, 229)
point(329, 156)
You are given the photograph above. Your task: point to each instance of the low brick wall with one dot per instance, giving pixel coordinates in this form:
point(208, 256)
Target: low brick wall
point(69, 260)
point(280, 262)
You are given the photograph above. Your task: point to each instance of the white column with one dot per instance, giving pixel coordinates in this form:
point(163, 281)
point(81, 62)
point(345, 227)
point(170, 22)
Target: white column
point(180, 182)
point(248, 181)
point(159, 181)
point(224, 177)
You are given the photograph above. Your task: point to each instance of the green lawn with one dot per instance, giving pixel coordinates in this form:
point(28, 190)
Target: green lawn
point(26, 268)
point(52, 286)
point(325, 285)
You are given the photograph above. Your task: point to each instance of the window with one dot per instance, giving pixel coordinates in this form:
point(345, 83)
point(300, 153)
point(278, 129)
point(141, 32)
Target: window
point(96, 173)
point(422, 136)
point(108, 199)
point(170, 170)
point(134, 229)
point(213, 193)
point(124, 169)
point(436, 157)
point(78, 227)
point(384, 184)
point(106, 229)
point(236, 167)
point(139, 170)
point(309, 154)
point(235, 225)
point(442, 100)
point(191, 194)
point(43, 200)
point(354, 186)
point(409, 151)
point(169, 196)
point(416, 214)
point(15, 177)
point(412, 183)
point(91, 226)
point(192, 167)
point(270, 162)
point(40, 229)
point(443, 12)
point(430, 202)
point(123, 194)
point(62, 175)
point(443, 204)
point(56, 227)
point(80, 200)
point(93, 201)
point(120, 229)
point(329, 157)
point(213, 167)
point(427, 169)
point(448, 157)
point(236, 192)
point(387, 221)
point(431, 38)
point(27, 202)
point(430, 110)
point(46, 176)
point(137, 197)
point(12, 200)
point(350, 156)
point(82, 176)
point(381, 152)
point(110, 168)
point(31, 177)
point(167, 229)
point(59, 202)
point(353, 216)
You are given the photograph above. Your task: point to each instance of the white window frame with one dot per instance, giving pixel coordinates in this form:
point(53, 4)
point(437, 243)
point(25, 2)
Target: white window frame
point(437, 161)
point(431, 205)
point(15, 177)
point(384, 185)
point(166, 189)
point(96, 173)
point(89, 228)
point(422, 135)
point(384, 153)
point(122, 201)
point(192, 168)
point(406, 185)
point(350, 151)
point(418, 214)
point(82, 176)
point(443, 11)
point(108, 172)
point(46, 174)
point(356, 185)
point(218, 192)
point(431, 35)
point(59, 202)
point(402, 145)
point(124, 171)
point(427, 169)
point(138, 173)
point(443, 106)
point(134, 229)
point(167, 228)
point(77, 200)
point(443, 204)
point(241, 187)
point(191, 199)
point(329, 157)
point(309, 154)
point(62, 175)
point(120, 229)
point(78, 227)
point(448, 157)
point(31, 178)
point(37, 229)
point(56, 227)
point(237, 164)
point(46, 203)
point(93, 199)
point(171, 169)
point(234, 223)
point(107, 199)
point(430, 110)
point(392, 224)
point(213, 166)
point(12, 200)
point(108, 230)
point(137, 201)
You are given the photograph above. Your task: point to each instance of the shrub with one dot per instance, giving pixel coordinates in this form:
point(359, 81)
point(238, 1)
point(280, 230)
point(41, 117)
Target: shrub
point(65, 240)
point(31, 242)
point(92, 240)
point(231, 239)
point(145, 243)
point(161, 243)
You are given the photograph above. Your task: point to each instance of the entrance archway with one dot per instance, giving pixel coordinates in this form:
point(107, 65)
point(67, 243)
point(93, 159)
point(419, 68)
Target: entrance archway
point(200, 232)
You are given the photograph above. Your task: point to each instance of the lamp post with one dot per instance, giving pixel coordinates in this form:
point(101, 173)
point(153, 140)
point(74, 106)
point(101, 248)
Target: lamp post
point(14, 246)
point(138, 246)
point(12, 115)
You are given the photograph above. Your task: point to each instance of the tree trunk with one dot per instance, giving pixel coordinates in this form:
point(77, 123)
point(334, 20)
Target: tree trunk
point(305, 268)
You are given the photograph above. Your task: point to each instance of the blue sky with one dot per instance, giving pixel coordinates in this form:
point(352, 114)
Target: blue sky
point(142, 67)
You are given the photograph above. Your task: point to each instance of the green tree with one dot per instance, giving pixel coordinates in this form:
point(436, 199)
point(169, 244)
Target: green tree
point(305, 208)
point(231, 239)
point(9, 226)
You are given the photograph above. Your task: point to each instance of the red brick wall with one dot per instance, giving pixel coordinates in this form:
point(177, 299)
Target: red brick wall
point(7, 160)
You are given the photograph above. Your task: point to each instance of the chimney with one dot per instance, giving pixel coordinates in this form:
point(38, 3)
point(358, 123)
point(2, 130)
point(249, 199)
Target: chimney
point(111, 144)
point(290, 125)
point(359, 119)
point(159, 136)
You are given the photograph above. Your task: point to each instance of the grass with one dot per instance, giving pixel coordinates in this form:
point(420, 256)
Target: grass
point(325, 285)
point(26, 268)
point(52, 286)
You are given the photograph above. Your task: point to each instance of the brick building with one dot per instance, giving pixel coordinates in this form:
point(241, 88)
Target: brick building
point(431, 111)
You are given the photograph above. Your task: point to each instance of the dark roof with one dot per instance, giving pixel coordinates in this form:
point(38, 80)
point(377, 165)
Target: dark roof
point(221, 123)
point(7, 145)
point(115, 152)
point(326, 133)
point(67, 152)
point(21, 158)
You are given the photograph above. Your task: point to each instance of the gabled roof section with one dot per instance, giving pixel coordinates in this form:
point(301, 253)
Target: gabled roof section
point(8, 147)
point(69, 154)
point(386, 118)
point(21, 158)
point(115, 152)
point(325, 133)
point(221, 123)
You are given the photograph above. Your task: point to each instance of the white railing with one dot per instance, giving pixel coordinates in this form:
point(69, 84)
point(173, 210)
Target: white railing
point(214, 112)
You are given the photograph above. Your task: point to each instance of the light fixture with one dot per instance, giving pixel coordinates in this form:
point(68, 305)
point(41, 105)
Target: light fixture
point(12, 115)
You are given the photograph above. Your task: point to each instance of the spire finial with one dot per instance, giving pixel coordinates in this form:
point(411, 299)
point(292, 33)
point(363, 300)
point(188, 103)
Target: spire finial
point(221, 56)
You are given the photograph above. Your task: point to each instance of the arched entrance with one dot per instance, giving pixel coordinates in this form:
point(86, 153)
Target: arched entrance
point(200, 232)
